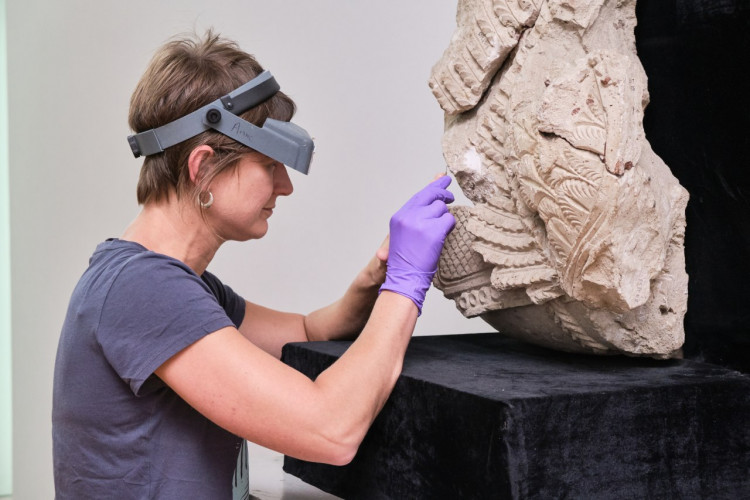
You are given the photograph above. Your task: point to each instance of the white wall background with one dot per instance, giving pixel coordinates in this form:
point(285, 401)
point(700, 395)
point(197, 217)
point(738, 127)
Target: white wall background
point(358, 72)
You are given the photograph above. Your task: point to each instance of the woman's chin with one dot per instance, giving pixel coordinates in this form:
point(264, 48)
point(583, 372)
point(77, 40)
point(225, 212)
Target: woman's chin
point(257, 232)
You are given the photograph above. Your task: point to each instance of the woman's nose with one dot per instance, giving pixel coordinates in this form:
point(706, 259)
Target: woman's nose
point(282, 182)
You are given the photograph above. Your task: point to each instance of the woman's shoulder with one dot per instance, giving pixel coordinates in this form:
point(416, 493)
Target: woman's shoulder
point(130, 267)
point(133, 257)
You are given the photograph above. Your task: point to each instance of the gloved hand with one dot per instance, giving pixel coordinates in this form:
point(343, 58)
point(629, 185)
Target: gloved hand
point(418, 231)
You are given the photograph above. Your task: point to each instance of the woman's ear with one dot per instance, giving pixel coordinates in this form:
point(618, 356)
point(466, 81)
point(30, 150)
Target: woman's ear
point(198, 162)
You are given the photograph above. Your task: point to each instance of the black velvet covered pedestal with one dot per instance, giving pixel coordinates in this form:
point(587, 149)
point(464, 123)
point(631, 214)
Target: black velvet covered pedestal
point(483, 416)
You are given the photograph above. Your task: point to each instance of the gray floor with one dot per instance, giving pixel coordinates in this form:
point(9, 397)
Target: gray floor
point(269, 482)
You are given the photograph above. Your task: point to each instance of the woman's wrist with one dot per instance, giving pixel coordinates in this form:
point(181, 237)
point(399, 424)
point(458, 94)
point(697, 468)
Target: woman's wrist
point(373, 275)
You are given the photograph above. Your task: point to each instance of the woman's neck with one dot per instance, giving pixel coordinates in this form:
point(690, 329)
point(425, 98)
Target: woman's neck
point(177, 229)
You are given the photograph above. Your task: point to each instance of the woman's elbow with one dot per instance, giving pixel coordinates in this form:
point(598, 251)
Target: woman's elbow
point(343, 456)
point(342, 448)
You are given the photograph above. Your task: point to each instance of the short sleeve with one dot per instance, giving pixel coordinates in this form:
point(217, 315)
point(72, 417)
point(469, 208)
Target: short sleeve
point(233, 304)
point(155, 308)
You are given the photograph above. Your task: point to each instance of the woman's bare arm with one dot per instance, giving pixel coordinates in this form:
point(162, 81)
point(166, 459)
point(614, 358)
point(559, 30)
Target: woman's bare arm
point(244, 390)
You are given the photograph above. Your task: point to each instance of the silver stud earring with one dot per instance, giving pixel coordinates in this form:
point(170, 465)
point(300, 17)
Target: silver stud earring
point(206, 204)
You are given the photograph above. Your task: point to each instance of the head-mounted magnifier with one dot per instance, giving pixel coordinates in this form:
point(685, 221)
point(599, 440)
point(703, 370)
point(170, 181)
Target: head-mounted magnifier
point(285, 142)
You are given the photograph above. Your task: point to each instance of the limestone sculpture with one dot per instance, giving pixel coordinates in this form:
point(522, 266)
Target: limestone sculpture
point(575, 238)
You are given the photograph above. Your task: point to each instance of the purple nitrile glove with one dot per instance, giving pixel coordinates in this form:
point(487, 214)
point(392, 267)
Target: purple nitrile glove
point(418, 231)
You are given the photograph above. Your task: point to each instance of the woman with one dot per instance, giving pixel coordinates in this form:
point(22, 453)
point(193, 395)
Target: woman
point(163, 371)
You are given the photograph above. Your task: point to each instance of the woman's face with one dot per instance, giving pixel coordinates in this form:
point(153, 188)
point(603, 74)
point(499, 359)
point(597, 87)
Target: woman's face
point(245, 196)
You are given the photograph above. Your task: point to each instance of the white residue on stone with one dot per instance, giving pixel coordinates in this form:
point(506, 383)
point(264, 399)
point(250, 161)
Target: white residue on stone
point(472, 161)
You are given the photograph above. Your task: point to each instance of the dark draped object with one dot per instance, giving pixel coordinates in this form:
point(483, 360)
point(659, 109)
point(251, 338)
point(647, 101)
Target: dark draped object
point(696, 54)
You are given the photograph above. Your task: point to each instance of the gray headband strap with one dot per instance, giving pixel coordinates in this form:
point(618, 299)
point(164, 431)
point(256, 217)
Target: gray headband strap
point(282, 141)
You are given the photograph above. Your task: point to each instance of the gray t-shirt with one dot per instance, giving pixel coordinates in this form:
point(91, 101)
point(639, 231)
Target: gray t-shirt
point(118, 431)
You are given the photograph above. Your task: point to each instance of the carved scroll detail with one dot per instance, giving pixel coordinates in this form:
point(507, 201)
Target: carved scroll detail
point(489, 29)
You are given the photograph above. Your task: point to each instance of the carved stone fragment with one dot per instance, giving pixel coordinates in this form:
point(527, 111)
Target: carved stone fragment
point(575, 238)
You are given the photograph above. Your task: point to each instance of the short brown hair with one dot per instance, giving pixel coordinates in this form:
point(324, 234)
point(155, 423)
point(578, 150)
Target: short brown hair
point(184, 75)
